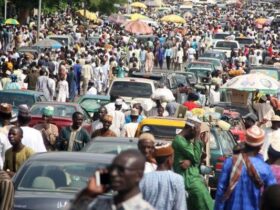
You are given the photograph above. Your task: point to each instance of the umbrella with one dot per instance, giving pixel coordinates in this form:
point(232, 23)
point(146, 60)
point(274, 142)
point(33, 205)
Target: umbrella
point(88, 15)
point(138, 27)
point(253, 82)
point(137, 16)
point(138, 5)
point(117, 19)
point(173, 19)
point(11, 21)
point(48, 43)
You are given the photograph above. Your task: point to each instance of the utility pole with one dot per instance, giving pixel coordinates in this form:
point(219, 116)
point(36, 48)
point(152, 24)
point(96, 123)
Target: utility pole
point(5, 10)
point(39, 19)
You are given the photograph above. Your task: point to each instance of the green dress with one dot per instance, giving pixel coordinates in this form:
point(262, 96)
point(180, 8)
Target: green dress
point(199, 197)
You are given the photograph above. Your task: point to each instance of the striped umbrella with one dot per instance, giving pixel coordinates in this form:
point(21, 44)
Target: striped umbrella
point(11, 21)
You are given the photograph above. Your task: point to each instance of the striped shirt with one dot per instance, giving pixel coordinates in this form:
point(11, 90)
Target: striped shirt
point(6, 191)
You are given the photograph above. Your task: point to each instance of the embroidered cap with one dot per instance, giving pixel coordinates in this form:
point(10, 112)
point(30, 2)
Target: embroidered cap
point(48, 111)
point(254, 136)
point(163, 150)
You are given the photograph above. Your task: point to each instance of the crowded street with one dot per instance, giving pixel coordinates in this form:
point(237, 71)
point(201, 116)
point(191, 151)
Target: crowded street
point(140, 105)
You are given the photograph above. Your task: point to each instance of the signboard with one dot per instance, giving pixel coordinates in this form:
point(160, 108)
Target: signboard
point(239, 97)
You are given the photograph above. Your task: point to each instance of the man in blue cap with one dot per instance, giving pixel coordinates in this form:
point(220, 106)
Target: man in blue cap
point(49, 131)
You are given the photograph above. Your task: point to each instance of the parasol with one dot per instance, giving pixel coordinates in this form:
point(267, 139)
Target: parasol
point(138, 27)
point(173, 19)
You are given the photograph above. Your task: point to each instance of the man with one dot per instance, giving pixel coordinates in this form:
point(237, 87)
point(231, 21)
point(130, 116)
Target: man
point(4, 146)
point(77, 70)
point(31, 137)
point(129, 129)
point(86, 73)
point(5, 117)
point(188, 150)
point(18, 153)
point(74, 137)
point(244, 176)
point(118, 117)
point(163, 188)
point(105, 130)
point(48, 130)
point(125, 174)
point(43, 85)
point(31, 78)
point(272, 133)
point(264, 111)
point(97, 124)
point(6, 192)
point(140, 116)
point(275, 103)
point(146, 145)
point(249, 120)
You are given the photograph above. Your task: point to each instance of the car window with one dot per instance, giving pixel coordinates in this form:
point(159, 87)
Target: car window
point(59, 110)
point(229, 45)
point(220, 36)
point(110, 147)
point(212, 142)
point(226, 141)
point(131, 89)
point(57, 176)
point(162, 132)
point(17, 99)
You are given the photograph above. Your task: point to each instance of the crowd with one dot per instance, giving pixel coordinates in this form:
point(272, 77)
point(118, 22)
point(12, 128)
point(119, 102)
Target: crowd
point(157, 175)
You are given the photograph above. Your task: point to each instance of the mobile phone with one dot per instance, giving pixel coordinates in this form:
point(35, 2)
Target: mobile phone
point(102, 179)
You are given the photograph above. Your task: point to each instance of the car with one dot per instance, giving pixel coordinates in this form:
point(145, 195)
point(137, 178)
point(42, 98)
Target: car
point(65, 40)
point(221, 142)
point(62, 114)
point(50, 180)
point(91, 103)
point(131, 88)
point(18, 97)
point(110, 145)
point(215, 61)
point(226, 46)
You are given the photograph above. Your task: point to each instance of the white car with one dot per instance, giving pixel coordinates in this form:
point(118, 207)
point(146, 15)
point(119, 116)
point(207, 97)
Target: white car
point(226, 46)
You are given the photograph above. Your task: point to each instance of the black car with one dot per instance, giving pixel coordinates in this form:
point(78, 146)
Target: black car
point(47, 181)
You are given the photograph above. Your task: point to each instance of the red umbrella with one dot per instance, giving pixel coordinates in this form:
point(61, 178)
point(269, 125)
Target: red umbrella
point(117, 19)
point(138, 27)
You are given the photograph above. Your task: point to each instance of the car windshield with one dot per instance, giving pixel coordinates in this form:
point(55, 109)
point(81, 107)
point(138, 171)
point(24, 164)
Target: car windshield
point(93, 104)
point(220, 36)
point(226, 141)
point(162, 132)
point(228, 45)
point(17, 99)
point(131, 89)
point(212, 55)
point(57, 176)
point(110, 147)
point(214, 62)
point(200, 72)
point(60, 110)
point(244, 41)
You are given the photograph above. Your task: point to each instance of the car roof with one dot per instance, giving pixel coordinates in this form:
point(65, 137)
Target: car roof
point(72, 156)
point(200, 62)
point(26, 92)
point(213, 52)
point(209, 58)
point(114, 139)
point(164, 121)
point(55, 103)
point(97, 97)
point(130, 79)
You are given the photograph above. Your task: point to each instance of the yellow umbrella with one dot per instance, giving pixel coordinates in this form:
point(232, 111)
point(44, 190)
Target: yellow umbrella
point(137, 16)
point(173, 19)
point(138, 5)
point(89, 15)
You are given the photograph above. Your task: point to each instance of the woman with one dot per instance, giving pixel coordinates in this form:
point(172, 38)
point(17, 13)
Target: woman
point(149, 61)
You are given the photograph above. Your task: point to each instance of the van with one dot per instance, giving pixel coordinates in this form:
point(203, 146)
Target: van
point(132, 89)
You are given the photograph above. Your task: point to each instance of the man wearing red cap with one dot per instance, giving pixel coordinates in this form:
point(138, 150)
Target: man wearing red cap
point(244, 176)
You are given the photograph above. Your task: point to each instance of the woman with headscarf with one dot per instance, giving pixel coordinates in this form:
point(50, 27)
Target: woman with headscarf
point(13, 85)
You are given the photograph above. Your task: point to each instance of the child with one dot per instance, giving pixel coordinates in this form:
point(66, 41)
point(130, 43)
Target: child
point(63, 90)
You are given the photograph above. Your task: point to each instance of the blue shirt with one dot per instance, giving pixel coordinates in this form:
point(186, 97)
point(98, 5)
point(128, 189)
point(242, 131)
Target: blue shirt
point(164, 190)
point(245, 196)
point(128, 119)
point(168, 53)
